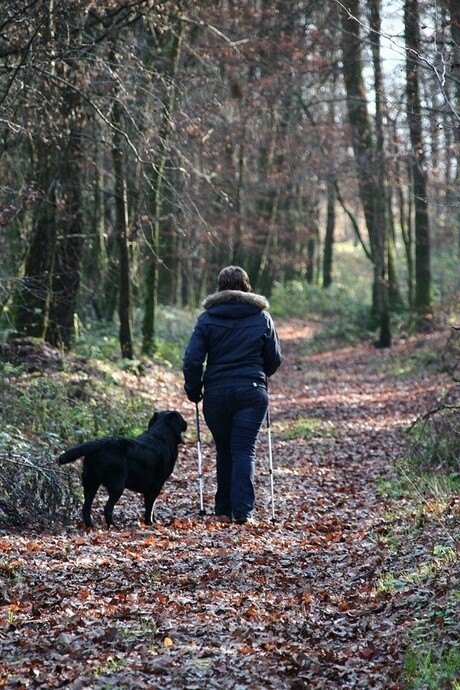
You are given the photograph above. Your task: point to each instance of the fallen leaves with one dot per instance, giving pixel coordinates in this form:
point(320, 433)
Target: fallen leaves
point(191, 603)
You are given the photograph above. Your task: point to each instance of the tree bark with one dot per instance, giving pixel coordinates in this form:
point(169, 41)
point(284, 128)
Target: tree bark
point(329, 235)
point(454, 20)
point(31, 301)
point(381, 228)
point(157, 179)
point(367, 167)
point(121, 228)
point(422, 296)
point(66, 270)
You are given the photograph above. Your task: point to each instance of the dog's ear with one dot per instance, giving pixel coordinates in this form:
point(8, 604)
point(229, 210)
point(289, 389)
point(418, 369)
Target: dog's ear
point(153, 419)
point(176, 422)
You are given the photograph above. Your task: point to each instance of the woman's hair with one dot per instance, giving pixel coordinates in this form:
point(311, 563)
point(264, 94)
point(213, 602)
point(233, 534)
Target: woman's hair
point(233, 278)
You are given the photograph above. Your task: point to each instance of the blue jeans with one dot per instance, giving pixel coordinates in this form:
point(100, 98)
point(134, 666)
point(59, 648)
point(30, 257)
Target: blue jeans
point(234, 415)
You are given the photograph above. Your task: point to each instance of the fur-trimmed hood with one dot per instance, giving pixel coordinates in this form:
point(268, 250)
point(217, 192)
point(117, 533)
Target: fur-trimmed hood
point(238, 296)
point(235, 336)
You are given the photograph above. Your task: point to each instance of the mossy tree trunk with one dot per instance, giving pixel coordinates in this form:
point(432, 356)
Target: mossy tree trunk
point(422, 296)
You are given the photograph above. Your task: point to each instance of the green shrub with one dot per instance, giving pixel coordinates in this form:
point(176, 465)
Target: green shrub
point(71, 409)
point(344, 315)
point(436, 441)
point(100, 340)
point(304, 300)
point(428, 669)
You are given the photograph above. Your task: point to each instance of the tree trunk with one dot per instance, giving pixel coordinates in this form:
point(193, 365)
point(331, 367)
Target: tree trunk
point(156, 193)
point(121, 228)
point(422, 297)
point(367, 167)
point(65, 29)
point(66, 269)
point(31, 300)
point(454, 10)
point(237, 251)
point(381, 228)
point(394, 293)
point(329, 236)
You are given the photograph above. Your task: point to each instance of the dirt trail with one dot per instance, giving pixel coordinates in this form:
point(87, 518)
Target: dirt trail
point(189, 604)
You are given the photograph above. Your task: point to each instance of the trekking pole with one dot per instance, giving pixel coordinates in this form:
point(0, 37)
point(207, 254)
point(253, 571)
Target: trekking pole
point(270, 461)
point(200, 464)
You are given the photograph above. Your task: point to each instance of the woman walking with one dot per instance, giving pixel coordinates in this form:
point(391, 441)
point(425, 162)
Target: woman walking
point(234, 347)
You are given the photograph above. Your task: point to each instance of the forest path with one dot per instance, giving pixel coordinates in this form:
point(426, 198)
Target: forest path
point(194, 605)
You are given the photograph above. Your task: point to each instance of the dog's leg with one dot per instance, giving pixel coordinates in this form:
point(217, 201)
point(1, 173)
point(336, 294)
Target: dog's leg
point(114, 497)
point(149, 500)
point(90, 491)
point(148, 504)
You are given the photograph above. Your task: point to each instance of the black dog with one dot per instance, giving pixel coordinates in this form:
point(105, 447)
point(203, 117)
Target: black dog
point(141, 464)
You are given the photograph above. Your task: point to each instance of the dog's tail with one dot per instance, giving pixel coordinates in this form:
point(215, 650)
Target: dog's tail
point(81, 451)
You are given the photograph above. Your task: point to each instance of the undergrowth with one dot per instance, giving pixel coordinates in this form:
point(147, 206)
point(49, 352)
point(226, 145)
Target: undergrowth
point(423, 538)
point(50, 401)
point(344, 317)
point(100, 340)
point(41, 415)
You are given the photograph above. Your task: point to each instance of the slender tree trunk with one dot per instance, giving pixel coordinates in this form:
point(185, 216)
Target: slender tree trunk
point(364, 148)
point(237, 251)
point(310, 268)
point(454, 11)
point(394, 292)
point(329, 235)
point(66, 269)
point(422, 297)
point(65, 40)
point(95, 262)
point(333, 195)
point(265, 275)
point(112, 279)
point(402, 181)
point(156, 194)
point(313, 243)
point(121, 228)
point(260, 263)
point(381, 229)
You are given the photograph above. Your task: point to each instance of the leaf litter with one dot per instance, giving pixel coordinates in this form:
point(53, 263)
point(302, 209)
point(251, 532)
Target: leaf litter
point(193, 604)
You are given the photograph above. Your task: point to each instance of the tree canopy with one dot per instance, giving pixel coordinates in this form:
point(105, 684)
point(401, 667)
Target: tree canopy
point(146, 144)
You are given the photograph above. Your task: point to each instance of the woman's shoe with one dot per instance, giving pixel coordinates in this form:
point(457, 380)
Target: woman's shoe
point(221, 519)
point(225, 519)
point(244, 520)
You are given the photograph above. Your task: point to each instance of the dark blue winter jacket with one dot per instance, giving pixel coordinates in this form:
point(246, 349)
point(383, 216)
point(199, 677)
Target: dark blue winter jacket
point(235, 336)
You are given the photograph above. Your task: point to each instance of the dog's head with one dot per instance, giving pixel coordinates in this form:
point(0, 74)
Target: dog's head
point(173, 419)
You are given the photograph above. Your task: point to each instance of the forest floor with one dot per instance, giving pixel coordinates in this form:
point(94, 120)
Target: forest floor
point(298, 603)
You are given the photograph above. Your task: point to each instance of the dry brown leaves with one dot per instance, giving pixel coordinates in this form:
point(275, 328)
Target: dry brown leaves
point(192, 604)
